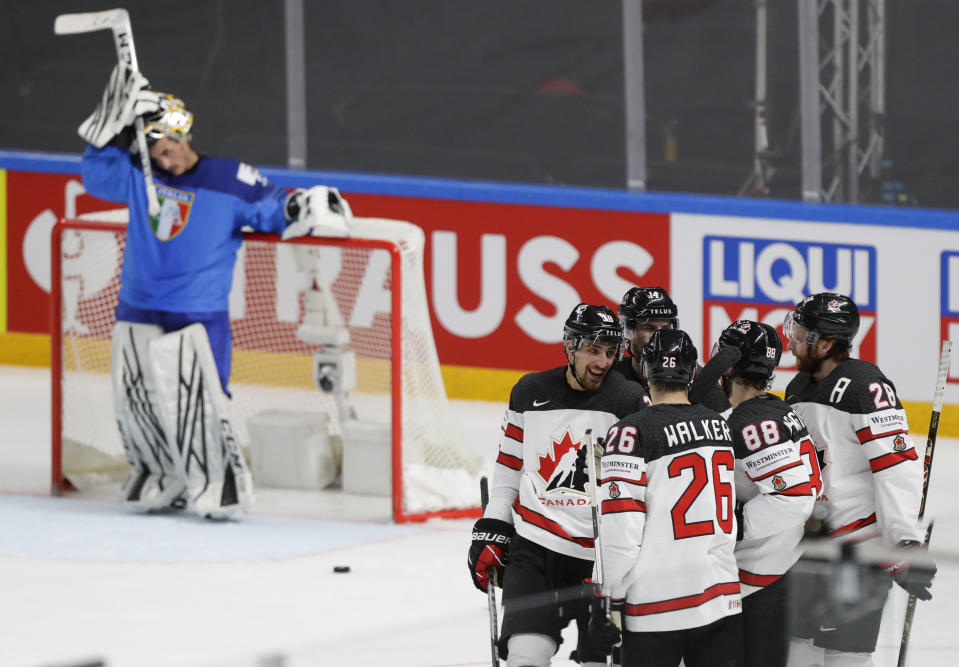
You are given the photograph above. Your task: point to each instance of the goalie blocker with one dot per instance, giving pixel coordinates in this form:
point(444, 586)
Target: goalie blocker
point(174, 423)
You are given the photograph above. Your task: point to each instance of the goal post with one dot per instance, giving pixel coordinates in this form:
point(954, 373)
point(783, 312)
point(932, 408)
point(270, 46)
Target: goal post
point(375, 286)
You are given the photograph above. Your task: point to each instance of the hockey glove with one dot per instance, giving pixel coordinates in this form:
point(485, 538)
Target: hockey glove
point(319, 211)
point(915, 577)
point(489, 551)
point(125, 97)
point(605, 631)
point(706, 379)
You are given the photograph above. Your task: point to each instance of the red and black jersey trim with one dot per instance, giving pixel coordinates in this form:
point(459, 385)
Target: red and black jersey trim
point(866, 435)
point(686, 602)
point(550, 526)
point(511, 462)
point(758, 580)
point(513, 432)
point(623, 505)
point(802, 489)
point(855, 525)
point(892, 458)
point(627, 480)
point(778, 470)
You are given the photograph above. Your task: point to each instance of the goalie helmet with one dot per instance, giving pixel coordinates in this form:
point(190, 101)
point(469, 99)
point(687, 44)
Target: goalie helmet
point(647, 303)
point(758, 343)
point(825, 314)
point(172, 121)
point(669, 356)
point(599, 323)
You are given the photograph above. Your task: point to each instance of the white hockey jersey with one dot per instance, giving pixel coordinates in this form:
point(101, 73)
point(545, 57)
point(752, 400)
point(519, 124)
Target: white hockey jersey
point(872, 474)
point(540, 480)
point(668, 525)
point(777, 480)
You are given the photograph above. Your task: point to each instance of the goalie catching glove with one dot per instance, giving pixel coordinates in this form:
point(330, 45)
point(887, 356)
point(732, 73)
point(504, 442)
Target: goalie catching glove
point(124, 99)
point(489, 552)
point(319, 211)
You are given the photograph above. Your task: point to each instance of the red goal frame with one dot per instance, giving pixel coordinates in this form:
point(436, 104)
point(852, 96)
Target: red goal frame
point(60, 484)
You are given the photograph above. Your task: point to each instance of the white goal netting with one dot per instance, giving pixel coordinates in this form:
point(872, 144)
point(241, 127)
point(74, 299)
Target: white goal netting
point(272, 363)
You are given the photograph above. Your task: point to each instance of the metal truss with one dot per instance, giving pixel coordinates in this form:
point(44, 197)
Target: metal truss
point(842, 90)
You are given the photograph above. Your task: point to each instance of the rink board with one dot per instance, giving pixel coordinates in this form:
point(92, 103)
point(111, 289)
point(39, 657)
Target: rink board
point(504, 264)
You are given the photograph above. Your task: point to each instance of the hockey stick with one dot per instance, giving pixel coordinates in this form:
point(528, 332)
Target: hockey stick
point(118, 21)
point(490, 589)
point(945, 357)
point(593, 501)
point(594, 507)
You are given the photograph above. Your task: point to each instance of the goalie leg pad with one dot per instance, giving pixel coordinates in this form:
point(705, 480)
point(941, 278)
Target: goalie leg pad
point(198, 416)
point(153, 467)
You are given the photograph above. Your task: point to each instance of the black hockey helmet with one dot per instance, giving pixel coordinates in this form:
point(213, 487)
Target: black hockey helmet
point(669, 356)
point(758, 343)
point(587, 322)
point(646, 303)
point(826, 314)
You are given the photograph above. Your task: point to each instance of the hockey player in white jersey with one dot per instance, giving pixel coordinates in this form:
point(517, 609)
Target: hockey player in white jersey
point(644, 310)
point(538, 523)
point(872, 477)
point(777, 481)
point(668, 527)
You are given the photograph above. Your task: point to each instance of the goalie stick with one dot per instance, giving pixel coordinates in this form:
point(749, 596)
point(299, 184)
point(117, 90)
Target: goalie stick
point(118, 21)
point(944, 358)
point(490, 589)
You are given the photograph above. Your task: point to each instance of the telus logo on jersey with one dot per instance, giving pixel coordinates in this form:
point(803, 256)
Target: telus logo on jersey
point(949, 306)
point(763, 279)
point(563, 469)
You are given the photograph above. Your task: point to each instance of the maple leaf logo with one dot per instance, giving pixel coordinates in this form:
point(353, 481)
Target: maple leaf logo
point(561, 467)
point(899, 443)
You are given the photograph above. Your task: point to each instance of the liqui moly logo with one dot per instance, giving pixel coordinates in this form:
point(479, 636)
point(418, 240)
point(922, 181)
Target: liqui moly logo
point(763, 279)
point(949, 307)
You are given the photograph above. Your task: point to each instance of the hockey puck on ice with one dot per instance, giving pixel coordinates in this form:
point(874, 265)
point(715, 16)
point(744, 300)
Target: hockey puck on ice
point(341, 568)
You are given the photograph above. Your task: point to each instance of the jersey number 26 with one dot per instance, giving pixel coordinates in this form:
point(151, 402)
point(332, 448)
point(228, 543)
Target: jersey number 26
point(707, 478)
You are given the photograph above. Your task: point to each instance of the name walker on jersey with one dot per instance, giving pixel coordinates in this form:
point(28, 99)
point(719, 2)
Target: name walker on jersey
point(682, 433)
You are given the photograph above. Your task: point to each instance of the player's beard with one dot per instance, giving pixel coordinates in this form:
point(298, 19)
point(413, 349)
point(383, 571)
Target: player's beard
point(589, 381)
point(807, 364)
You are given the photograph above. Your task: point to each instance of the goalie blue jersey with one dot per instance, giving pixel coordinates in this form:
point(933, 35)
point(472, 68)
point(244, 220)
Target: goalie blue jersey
point(182, 260)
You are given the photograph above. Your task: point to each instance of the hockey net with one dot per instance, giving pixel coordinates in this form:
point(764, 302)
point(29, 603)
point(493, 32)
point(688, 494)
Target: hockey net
point(379, 292)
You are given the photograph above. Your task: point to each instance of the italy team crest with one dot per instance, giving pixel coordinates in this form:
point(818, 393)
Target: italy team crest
point(174, 212)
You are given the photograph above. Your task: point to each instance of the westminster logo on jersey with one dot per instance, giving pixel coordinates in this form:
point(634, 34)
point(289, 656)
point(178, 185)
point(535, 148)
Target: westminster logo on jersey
point(174, 212)
point(563, 469)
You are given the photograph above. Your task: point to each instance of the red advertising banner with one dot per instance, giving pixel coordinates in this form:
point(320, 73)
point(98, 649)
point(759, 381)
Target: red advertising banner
point(35, 201)
point(500, 278)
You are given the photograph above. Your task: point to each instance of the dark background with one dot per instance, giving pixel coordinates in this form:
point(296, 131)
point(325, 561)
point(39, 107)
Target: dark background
point(502, 90)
